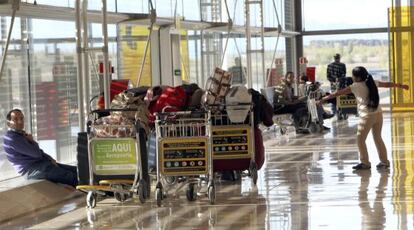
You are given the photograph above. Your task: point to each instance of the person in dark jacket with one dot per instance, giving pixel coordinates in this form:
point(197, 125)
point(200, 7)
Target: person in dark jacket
point(334, 73)
point(28, 159)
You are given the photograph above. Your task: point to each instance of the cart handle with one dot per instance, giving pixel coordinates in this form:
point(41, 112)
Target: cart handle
point(112, 110)
point(180, 113)
point(233, 104)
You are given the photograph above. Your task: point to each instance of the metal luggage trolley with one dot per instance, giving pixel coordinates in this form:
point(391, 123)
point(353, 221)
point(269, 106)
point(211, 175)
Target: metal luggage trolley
point(233, 138)
point(345, 104)
point(116, 161)
point(314, 122)
point(184, 150)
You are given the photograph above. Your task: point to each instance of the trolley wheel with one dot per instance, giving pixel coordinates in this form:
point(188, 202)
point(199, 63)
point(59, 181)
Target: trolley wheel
point(147, 189)
point(121, 197)
point(91, 199)
point(339, 115)
point(319, 128)
point(191, 193)
point(141, 192)
point(211, 192)
point(253, 172)
point(171, 180)
point(314, 128)
point(158, 196)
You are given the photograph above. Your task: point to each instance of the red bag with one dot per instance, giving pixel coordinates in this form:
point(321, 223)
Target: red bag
point(243, 164)
point(260, 150)
point(116, 87)
point(172, 99)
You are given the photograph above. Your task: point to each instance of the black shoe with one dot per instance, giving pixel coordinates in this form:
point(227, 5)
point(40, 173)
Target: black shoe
point(327, 116)
point(302, 131)
point(361, 166)
point(383, 165)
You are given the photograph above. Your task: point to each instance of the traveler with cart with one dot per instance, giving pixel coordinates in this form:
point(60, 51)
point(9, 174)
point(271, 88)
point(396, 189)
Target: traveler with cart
point(365, 90)
point(29, 159)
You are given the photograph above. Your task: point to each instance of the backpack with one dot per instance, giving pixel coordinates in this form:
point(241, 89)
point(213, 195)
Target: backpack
point(262, 110)
point(172, 99)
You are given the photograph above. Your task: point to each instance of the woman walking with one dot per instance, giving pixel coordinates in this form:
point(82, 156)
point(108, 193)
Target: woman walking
point(365, 90)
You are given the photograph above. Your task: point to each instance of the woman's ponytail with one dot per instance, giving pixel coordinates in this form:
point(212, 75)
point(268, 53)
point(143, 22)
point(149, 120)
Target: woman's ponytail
point(373, 93)
point(361, 73)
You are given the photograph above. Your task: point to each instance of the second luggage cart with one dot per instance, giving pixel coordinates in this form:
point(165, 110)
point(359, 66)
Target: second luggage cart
point(233, 138)
point(183, 147)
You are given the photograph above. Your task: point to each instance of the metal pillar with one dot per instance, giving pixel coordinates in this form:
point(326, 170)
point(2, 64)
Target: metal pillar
point(298, 27)
point(85, 54)
point(107, 76)
point(81, 105)
point(15, 7)
point(291, 59)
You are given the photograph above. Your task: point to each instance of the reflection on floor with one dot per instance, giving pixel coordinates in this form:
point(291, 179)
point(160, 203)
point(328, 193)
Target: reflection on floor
point(306, 183)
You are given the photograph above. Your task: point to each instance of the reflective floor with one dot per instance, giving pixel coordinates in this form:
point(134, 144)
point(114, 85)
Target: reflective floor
point(307, 182)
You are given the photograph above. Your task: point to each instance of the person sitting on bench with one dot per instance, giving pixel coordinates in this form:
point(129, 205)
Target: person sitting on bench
point(284, 100)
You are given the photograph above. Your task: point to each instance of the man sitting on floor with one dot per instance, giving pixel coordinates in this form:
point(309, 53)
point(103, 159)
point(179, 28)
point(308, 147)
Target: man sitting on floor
point(28, 159)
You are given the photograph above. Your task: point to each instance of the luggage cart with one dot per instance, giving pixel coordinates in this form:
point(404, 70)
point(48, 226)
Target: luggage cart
point(116, 164)
point(233, 140)
point(315, 124)
point(345, 105)
point(183, 147)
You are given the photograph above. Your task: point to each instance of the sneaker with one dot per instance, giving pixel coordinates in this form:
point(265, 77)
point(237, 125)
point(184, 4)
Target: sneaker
point(327, 116)
point(383, 165)
point(361, 166)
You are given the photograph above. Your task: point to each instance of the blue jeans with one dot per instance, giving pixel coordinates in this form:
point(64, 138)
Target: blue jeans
point(60, 173)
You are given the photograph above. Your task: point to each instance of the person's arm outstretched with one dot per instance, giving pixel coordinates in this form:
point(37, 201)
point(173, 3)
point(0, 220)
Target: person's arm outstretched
point(383, 84)
point(338, 93)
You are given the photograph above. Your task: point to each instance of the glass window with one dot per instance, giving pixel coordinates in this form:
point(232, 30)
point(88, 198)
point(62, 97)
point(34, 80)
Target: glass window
point(339, 14)
point(128, 6)
point(52, 2)
point(14, 87)
point(368, 50)
point(270, 17)
point(54, 88)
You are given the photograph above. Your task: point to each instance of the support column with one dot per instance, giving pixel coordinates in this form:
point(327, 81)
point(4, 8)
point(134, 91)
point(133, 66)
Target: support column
point(297, 15)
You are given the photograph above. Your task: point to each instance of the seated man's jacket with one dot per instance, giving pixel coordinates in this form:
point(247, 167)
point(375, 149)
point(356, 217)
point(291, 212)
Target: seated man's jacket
point(21, 152)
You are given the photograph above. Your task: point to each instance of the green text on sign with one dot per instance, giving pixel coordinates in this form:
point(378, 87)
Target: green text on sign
point(114, 156)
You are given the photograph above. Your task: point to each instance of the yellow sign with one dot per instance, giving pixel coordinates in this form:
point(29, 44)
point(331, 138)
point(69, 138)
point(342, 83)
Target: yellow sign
point(184, 156)
point(231, 142)
point(133, 40)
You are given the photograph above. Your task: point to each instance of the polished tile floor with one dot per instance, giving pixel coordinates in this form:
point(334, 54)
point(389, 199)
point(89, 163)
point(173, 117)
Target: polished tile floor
point(306, 183)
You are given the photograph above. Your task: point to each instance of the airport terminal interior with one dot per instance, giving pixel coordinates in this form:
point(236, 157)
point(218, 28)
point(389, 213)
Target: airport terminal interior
point(206, 114)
